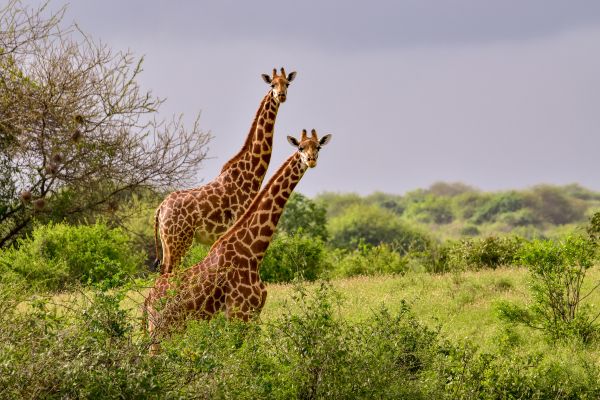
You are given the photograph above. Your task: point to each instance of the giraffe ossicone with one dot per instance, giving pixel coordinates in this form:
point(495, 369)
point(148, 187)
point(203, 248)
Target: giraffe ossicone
point(228, 279)
point(209, 211)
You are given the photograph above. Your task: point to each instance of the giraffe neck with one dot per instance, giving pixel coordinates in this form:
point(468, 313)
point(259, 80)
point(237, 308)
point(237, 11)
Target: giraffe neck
point(259, 142)
point(256, 228)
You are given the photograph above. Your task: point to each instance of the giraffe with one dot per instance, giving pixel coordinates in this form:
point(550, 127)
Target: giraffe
point(228, 278)
point(209, 211)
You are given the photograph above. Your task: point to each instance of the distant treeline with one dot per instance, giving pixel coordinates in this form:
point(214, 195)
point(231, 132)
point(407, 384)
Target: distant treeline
point(452, 210)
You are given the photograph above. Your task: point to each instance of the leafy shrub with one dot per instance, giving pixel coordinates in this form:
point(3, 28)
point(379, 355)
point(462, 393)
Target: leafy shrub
point(509, 373)
point(375, 226)
point(489, 252)
point(558, 270)
point(337, 203)
point(518, 218)
point(309, 351)
point(434, 257)
point(386, 201)
point(82, 347)
point(550, 204)
point(56, 254)
point(500, 204)
point(577, 191)
point(302, 212)
point(289, 256)
point(433, 209)
point(469, 230)
point(466, 204)
point(370, 260)
point(195, 254)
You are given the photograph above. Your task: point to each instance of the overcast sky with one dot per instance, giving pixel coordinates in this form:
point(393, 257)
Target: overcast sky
point(497, 94)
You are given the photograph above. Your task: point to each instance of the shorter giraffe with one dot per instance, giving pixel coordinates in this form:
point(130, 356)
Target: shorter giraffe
point(228, 278)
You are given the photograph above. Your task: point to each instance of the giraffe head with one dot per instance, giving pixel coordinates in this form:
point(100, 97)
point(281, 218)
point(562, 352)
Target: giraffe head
point(279, 83)
point(309, 147)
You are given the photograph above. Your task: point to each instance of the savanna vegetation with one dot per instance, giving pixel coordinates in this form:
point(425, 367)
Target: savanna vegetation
point(444, 292)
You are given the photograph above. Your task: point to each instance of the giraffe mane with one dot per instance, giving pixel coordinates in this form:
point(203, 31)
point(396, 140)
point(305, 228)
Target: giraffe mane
point(249, 138)
point(257, 200)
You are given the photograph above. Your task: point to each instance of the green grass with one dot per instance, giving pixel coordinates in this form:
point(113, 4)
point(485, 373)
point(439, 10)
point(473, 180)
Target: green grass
point(461, 304)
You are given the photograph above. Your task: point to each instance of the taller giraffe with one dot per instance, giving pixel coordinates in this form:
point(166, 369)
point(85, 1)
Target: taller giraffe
point(228, 278)
point(209, 211)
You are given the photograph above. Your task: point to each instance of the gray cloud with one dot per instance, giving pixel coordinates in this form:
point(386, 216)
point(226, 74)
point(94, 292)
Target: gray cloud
point(341, 25)
point(499, 96)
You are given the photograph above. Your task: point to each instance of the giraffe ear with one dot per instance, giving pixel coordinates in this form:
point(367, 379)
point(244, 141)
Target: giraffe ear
point(325, 139)
point(291, 76)
point(293, 141)
point(266, 78)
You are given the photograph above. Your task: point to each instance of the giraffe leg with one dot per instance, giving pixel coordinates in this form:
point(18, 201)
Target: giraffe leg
point(176, 243)
point(183, 244)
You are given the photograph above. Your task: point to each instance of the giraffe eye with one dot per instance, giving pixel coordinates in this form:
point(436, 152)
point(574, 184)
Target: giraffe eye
point(287, 85)
point(273, 86)
point(318, 147)
point(300, 149)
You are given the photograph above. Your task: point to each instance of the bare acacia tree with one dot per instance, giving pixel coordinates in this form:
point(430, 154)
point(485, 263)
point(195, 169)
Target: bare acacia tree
point(76, 131)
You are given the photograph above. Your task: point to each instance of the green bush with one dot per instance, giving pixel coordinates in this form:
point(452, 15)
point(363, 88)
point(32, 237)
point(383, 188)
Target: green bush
point(509, 373)
point(466, 204)
point(518, 218)
point(490, 252)
point(434, 257)
point(373, 225)
point(433, 209)
point(469, 230)
point(195, 254)
point(337, 203)
point(386, 201)
point(290, 256)
point(57, 254)
point(558, 270)
point(550, 204)
point(500, 204)
point(83, 347)
point(90, 346)
point(369, 260)
point(309, 351)
point(302, 212)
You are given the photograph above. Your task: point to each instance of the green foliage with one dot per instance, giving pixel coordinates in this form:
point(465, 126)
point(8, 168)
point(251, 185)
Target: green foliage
point(577, 191)
point(434, 257)
point(290, 256)
point(550, 204)
point(369, 260)
point(195, 254)
point(309, 351)
point(375, 226)
point(518, 218)
point(302, 212)
point(391, 202)
point(84, 347)
point(89, 346)
point(337, 203)
point(466, 204)
point(57, 254)
point(469, 230)
point(558, 270)
point(433, 210)
point(509, 373)
point(500, 204)
point(490, 252)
